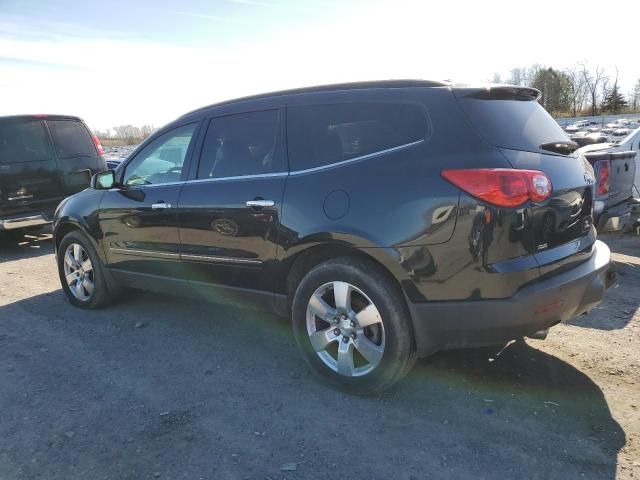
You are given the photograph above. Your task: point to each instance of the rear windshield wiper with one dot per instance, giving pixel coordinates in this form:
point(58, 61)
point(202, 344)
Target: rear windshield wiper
point(563, 147)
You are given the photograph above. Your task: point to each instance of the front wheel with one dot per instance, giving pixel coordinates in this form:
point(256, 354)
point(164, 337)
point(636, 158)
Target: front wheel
point(81, 272)
point(352, 326)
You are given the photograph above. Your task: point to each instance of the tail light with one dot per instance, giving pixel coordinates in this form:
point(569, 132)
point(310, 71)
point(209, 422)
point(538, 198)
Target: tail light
point(96, 142)
point(604, 168)
point(503, 187)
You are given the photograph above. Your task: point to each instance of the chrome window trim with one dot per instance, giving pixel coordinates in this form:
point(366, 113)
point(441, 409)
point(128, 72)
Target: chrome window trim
point(144, 253)
point(239, 177)
point(148, 185)
point(308, 170)
point(358, 159)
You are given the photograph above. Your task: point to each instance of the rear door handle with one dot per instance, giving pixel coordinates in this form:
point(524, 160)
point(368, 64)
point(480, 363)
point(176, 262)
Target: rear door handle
point(260, 203)
point(160, 206)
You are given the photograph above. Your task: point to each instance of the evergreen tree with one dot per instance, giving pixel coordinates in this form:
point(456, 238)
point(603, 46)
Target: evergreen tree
point(614, 100)
point(555, 88)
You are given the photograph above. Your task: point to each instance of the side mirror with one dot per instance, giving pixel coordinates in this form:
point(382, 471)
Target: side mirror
point(80, 178)
point(103, 180)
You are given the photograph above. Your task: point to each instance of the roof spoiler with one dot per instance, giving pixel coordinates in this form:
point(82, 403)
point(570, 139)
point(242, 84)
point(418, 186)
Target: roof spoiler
point(595, 156)
point(499, 92)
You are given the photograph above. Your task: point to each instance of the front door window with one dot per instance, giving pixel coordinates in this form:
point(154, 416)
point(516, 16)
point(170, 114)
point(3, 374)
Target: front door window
point(162, 160)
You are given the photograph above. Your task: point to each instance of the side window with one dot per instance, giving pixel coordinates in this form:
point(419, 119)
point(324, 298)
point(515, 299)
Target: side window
point(71, 139)
point(323, 134)
point(242, 144)
point(23, 142)
point(161, 161)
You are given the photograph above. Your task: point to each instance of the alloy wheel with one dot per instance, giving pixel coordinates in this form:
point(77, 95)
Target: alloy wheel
point(78, 272)
point(345, 329)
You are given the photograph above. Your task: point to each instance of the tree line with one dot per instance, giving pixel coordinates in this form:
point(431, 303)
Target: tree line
point(579, 90)
point(126, 134)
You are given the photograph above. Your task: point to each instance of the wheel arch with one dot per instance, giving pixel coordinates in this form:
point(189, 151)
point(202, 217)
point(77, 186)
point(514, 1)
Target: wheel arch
point(307, 257)
point(66, 225)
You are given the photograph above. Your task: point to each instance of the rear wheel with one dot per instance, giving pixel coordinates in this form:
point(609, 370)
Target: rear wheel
point(81, 272)
point(352, 326)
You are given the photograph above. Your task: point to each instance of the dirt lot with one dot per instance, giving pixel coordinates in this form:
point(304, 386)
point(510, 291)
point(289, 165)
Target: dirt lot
point(203, 391)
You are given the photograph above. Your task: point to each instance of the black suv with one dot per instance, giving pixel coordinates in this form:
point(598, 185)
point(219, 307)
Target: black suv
point(388, 220)
point(43, 158)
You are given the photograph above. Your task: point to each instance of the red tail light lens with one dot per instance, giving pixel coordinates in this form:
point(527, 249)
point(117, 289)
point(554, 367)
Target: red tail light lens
point(604, 168)
point(96, 142)
point(503, 187)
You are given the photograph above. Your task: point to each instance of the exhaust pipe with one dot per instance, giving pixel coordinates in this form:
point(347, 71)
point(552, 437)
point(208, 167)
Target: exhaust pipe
point(540, 334)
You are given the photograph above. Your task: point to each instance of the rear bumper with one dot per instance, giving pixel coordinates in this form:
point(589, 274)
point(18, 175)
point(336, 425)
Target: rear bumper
point(538, 306)
point(23, 221)
point(612, 219)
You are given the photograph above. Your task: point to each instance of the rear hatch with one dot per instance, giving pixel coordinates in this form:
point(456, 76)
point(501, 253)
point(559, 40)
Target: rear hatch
point(558, 231)
point(29, 179)
point(77, 151)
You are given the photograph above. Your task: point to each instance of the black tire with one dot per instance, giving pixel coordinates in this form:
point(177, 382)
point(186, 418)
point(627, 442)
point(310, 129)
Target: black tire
point(100, 296)
point(399, 346)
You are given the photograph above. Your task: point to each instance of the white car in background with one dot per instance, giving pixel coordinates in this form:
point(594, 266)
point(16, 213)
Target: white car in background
point(631, 142)
point(617, 178)
point(621, 132)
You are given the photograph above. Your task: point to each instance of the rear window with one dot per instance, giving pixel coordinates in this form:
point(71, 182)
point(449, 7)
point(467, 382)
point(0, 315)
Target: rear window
point(323, 134)
point(71, 139)
point(514, 124)
point(23, 142)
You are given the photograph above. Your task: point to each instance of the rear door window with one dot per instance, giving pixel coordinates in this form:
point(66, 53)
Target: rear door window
point(320, 135)
point(513, 124)
point(23, 141)
point(242, 144)
point(71, 139)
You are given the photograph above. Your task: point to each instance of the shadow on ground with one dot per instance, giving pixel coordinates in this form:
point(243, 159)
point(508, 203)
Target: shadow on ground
point(18, 245)
point(621, 301)
point(206, 391)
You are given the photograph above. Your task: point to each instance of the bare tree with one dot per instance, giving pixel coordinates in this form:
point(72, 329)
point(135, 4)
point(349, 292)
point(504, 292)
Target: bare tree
point(103, 134)
point(604, 90)
point(518, 77)
point(634, 96)
point(497, 78)
point(593, 81)
point(147, 130)
point(128, 133)
point(577, 89)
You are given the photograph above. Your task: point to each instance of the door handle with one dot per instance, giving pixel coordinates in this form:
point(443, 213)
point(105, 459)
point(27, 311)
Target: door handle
point(160, 206)
point(260, 203)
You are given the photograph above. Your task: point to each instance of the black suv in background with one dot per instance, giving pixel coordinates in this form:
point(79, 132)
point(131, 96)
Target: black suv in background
point(388, 220)
point(43, 158)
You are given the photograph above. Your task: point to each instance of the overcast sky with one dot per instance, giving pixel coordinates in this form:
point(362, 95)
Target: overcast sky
point(148, 61)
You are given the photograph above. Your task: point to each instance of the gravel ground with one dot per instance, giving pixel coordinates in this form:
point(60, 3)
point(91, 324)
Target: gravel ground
point(160, 387)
